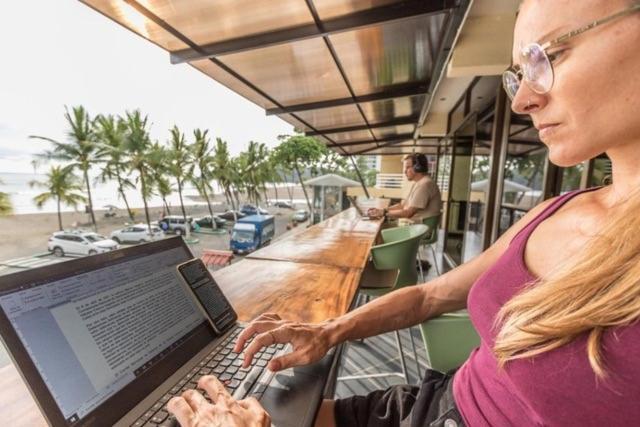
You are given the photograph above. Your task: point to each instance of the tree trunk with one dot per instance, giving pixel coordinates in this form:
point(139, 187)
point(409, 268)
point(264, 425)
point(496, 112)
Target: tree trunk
point(289, 191)
point(304, 190)
point(126, 203)
point(93, 217)
point(206, 197)
point(166, 205)
point(275, 189)
point(144, 201)
point(184, 213)
point(187, 226)
point(59, 215)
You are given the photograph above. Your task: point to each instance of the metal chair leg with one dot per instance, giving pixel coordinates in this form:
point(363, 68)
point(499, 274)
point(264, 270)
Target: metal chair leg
point(419, 261)
point(415, 354)
point(403, 363)
point(435, 261)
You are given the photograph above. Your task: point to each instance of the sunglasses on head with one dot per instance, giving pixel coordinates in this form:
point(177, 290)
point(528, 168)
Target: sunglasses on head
point(536, 64)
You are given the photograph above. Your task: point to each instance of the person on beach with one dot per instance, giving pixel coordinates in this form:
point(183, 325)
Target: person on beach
point(555, 300)
point(424, 199)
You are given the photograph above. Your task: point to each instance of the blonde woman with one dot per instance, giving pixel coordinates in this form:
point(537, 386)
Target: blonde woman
point(556, 300)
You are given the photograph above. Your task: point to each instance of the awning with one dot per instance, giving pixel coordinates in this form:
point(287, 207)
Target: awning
point(332, 180)
point(358, 74)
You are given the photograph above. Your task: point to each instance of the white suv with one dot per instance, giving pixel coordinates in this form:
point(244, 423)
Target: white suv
point(137, 233)
point(79, 243)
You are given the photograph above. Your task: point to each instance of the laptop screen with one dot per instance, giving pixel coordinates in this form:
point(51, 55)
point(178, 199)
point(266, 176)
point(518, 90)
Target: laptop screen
point(95, 330)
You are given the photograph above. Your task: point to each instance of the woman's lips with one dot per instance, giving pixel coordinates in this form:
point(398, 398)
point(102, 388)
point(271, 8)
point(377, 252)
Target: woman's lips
point(547, 130)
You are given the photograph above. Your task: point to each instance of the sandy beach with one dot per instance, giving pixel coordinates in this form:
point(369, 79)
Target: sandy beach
point(27, 234)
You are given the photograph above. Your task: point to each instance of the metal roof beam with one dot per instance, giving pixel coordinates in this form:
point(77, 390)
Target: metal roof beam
point(396, 138)
point(366, 18)
point(396, 122)
point(391, 93)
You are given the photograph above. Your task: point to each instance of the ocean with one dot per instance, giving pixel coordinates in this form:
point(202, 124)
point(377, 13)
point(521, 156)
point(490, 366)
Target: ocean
point(22, 194)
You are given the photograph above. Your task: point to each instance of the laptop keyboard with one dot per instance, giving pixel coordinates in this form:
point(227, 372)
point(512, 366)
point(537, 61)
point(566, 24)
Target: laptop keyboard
point(223, 363)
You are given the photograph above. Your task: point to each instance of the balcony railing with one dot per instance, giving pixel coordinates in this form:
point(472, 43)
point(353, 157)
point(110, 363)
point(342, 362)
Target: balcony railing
point(389, 180)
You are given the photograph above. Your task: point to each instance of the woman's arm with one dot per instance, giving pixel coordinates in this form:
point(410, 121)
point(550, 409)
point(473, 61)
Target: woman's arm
point(397, 310)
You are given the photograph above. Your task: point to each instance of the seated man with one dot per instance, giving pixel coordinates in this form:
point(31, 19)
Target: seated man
point(424, 198)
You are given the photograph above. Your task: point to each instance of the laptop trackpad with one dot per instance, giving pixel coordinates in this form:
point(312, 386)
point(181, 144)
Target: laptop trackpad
point(292, 398)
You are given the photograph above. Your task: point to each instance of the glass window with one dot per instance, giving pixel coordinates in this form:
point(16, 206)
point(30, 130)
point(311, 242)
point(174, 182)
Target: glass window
point(601, 172)
point(571, 178)
point(523, 180)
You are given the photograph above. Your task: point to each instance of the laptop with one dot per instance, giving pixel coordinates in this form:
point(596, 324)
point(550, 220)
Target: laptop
point(362, 214)
point(109, 339)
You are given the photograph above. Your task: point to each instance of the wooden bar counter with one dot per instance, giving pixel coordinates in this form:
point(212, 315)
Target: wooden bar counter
point(308, 276)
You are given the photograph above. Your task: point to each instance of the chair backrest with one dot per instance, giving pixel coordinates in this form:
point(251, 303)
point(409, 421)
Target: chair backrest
point(399, 252)
point(432, 223)
point(449, 339)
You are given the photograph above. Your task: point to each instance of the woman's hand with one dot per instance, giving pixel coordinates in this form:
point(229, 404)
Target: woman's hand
point(310, 341)
point(193, 410)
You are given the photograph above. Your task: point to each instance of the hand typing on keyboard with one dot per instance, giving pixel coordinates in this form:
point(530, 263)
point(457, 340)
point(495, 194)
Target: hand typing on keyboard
point(192, 409)
point(310, 341)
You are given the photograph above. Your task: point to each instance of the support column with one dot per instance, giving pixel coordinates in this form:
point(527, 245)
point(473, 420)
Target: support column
point(499, 156)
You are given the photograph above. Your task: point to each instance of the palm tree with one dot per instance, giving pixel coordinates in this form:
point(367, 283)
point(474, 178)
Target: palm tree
point(222, 169)
point(136, 146)
point(5, 203)
point(202, 159)
point(61, 185)
point(158, 159)
point(80, 152)
point(110, 133)
point(179, 163)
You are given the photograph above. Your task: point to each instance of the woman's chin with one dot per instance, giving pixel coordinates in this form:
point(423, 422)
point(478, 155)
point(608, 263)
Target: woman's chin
point(561, 157)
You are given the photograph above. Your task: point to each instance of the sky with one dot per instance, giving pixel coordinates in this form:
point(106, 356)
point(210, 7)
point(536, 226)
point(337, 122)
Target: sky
point(57, 53)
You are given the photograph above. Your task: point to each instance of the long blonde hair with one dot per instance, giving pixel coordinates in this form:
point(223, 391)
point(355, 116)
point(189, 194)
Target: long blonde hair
point(595, 290)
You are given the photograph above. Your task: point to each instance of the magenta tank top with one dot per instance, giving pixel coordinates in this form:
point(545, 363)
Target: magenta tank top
point(556, 388)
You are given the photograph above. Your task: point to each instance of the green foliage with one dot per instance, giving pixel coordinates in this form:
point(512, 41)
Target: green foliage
point(62, 186)
point(110, 133)
point(80, 152)
point(5, 203)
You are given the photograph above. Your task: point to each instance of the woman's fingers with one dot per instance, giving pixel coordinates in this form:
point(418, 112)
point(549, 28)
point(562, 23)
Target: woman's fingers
point(179, 407)
point(194, 399)
point(252, 405)
point(289, 360)
point(261, 324)
point(216, 391)
point(282, 334)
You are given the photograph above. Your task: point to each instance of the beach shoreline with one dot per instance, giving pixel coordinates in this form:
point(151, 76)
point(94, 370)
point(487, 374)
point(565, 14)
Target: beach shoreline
point(26, 234)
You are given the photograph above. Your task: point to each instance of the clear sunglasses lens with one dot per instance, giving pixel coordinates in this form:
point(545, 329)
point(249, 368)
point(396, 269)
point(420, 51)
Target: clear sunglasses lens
point(536, 68)
point(511, 83)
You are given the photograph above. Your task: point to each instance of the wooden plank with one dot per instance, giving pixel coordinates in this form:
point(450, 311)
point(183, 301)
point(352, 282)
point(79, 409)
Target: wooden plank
point(297, 291)
point(17, 407)
point(319, 245)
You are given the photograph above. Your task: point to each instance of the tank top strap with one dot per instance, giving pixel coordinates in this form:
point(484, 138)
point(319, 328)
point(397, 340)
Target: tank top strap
point(525, 232)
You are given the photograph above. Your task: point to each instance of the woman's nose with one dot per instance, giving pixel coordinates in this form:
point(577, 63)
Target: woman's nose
point(526, 100)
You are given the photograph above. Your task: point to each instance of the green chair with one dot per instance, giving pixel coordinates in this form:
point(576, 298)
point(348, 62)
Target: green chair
point(393, 267)
point(430, 240)
point(449, 339)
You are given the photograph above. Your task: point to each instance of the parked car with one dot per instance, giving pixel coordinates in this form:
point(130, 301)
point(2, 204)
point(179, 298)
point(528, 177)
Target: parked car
point(205, 221)
point(138, 233)
point(283, 205)
point(253, 210)
point(228, 215)
point(300, 216)
point(79, 243)
point(175, 224)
